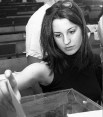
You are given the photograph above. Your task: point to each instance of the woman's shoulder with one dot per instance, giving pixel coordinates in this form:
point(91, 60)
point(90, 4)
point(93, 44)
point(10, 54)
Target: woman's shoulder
point(46, 75)
point(40, 67)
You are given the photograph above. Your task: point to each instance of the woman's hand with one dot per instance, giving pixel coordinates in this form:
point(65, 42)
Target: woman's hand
point(5, 97)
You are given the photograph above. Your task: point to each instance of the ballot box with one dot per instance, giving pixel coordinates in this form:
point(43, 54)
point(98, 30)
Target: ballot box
point(64, 103)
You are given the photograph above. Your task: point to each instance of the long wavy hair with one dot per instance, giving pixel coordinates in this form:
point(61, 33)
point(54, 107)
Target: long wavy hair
point(51, 53)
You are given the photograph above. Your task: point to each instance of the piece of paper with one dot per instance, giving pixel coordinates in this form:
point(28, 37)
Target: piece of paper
point(16, 103)
point(96, 113)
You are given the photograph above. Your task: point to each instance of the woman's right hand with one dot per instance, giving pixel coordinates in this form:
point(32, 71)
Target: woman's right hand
point(5, 97)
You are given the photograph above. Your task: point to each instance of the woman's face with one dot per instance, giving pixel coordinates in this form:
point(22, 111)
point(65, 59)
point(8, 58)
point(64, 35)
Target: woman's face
point(67, 36)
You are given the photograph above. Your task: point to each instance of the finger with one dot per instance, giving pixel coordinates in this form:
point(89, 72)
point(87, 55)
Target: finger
point(10, 77)
point(13, 83)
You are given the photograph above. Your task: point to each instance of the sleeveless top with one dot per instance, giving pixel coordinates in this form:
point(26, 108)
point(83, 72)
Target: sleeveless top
point(84, 81)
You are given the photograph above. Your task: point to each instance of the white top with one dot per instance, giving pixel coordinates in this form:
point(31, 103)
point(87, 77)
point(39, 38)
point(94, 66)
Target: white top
point(100, 29)
point(100, 34)
point(33, 29)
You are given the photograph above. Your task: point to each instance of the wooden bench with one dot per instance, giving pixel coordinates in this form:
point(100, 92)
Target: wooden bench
point(19, 28)
point(14, 21)
point(21, 20)
point(9, 12)
point(13, 8)
point(12, 29)
point(92, 2)
point(15, 4)
point(10, 50)
point(7, 29)
point(7, 49)
point(12, 44)
point(6, 21)
point(15, 64)
point(6, 38)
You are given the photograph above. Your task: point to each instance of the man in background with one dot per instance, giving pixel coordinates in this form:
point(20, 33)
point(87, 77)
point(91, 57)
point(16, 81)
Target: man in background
point(87, 10)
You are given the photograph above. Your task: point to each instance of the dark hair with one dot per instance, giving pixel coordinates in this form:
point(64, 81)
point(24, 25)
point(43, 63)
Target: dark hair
point(101, 13)
point(87, 8)
point(51, 53)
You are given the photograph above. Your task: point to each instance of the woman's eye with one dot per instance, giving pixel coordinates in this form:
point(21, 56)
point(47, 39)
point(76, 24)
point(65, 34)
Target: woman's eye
point(57, 35)
point(73, 31)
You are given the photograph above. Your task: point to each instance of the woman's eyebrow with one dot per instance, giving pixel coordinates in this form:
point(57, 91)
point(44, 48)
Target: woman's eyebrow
point(71, 28)
point(68, 29)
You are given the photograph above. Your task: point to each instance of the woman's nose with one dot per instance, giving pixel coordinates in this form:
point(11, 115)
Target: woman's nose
point(67, 40)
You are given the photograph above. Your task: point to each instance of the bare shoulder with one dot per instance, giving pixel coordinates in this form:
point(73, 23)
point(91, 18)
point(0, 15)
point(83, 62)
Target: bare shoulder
point(42, 72)
point(38, 68)
point(46, 78)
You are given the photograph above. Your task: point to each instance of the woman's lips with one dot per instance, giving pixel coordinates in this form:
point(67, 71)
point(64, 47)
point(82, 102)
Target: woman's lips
point(69, 48)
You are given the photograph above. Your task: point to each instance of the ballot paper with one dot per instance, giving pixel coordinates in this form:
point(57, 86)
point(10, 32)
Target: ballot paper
point(15, 101)
point(98, 113)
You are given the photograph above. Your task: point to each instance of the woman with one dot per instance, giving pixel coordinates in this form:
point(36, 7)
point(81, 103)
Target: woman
point(68, 58)
point(87, 10)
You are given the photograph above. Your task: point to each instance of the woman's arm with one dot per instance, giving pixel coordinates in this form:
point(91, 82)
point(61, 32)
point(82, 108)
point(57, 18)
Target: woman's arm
point(30, 60)
point(36, 72)
point(22, 80)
